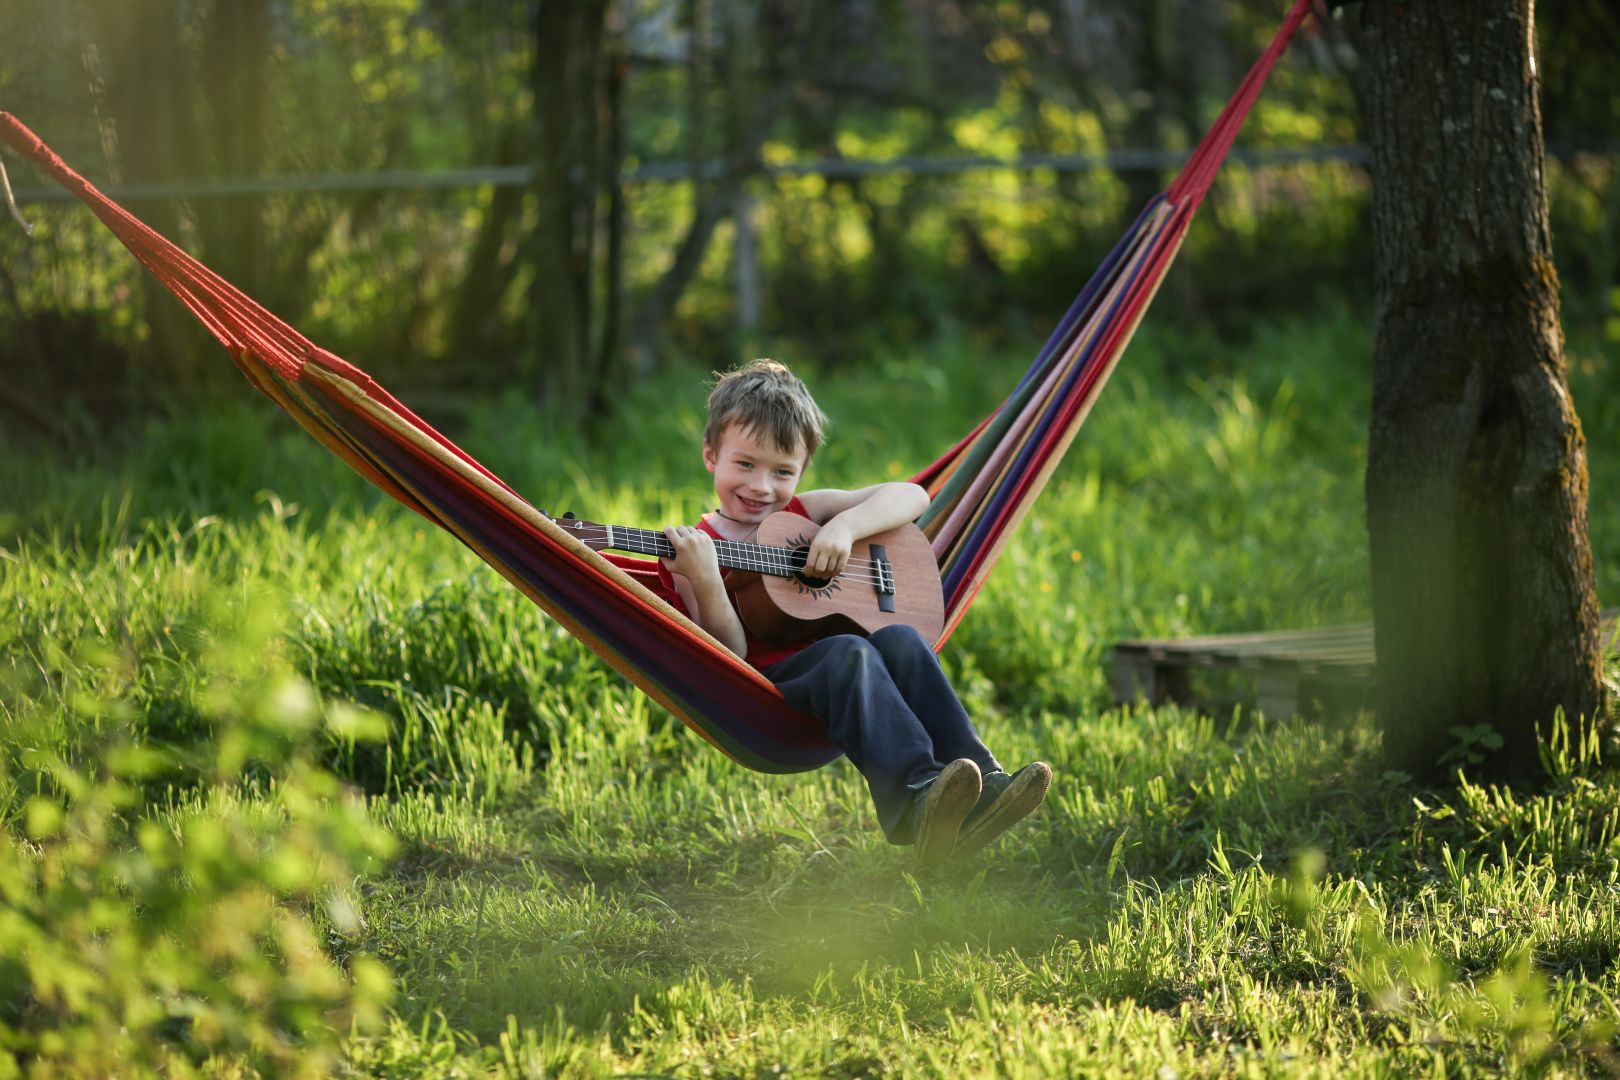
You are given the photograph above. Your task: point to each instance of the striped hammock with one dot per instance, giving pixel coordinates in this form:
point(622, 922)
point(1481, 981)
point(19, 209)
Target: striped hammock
point(981, 488)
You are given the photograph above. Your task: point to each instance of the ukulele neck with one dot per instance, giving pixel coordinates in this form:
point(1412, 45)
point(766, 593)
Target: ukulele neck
point(733, 554)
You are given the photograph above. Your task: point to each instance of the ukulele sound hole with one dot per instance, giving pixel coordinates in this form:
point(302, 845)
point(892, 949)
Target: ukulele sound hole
point(807, 581)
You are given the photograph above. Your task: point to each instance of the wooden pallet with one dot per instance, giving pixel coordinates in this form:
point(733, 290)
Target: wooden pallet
point(1298, 672)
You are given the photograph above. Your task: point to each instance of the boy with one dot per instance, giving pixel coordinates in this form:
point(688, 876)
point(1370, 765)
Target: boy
point(884, 699)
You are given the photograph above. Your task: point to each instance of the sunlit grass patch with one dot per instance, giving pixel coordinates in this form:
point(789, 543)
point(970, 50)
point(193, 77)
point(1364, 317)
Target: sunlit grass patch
point(579, 886)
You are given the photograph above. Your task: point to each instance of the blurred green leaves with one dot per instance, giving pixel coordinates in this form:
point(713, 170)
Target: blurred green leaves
point(145, 933)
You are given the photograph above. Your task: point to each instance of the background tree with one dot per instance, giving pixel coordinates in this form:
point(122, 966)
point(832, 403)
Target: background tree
point(236, 98)
point(1485, 611)
point(570, 95)
point(486, 46)
point(142, 75)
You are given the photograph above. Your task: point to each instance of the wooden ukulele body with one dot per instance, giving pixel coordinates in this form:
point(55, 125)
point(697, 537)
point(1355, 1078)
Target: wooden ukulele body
point(787, 610)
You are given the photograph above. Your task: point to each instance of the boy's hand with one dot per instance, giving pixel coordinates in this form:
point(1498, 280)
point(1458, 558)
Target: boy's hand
point(829, 551)
point(695, 559)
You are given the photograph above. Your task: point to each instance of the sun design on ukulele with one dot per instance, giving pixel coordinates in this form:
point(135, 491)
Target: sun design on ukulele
point(826, 588)
point(819, 588)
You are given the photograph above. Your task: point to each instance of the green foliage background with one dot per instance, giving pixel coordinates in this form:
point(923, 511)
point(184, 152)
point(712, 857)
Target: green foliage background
point(157, 91)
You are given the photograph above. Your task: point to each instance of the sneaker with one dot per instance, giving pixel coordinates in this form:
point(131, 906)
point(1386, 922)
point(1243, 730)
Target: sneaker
point(938, 810)
point(1006, 801)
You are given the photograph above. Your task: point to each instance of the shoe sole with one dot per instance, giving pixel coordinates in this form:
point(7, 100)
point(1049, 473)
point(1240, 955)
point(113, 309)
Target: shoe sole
point(1021, 799)
point(951, 799)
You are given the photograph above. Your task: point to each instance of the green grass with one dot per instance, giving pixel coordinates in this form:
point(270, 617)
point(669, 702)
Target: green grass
point(579, 886)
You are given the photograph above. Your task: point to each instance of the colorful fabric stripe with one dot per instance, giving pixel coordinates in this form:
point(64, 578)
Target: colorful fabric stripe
point(983, 486)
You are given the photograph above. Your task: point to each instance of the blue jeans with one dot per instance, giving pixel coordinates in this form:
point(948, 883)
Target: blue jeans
point(889, 707)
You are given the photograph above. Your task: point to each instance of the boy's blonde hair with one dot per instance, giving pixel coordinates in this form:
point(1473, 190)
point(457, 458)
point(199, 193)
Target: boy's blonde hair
point(764, 397)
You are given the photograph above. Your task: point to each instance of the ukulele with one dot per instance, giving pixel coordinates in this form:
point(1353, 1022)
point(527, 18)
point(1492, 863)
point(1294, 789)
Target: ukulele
point(891, 577)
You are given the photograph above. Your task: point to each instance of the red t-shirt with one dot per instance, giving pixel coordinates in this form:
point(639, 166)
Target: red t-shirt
point(761, 654)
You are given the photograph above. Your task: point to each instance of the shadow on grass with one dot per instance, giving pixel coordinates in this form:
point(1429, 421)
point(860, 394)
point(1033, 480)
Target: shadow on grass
point(1050, 913)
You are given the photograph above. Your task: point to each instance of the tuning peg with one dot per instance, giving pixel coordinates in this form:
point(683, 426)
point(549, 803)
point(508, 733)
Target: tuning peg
point(568, 515)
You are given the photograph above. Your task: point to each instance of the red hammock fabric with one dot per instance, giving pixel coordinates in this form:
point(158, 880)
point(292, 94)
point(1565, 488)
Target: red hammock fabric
point(981, 487)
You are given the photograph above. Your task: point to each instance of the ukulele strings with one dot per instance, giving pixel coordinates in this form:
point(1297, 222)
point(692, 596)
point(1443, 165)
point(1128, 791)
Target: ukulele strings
point(859, 571)
point(864, 570)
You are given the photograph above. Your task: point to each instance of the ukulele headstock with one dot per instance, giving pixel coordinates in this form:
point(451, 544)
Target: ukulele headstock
point(589, 533)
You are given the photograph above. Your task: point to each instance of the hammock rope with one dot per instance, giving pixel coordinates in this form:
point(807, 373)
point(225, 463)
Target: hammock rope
point(11, 202)
point(980, 489)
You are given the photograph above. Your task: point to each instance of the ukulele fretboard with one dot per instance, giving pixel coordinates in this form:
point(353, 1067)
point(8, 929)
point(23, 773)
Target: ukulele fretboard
point(760, 558)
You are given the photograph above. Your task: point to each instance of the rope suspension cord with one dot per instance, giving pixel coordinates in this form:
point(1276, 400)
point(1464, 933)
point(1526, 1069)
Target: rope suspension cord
point(11, 201)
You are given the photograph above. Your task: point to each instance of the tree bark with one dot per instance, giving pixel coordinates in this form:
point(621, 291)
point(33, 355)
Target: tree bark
point(477, 331)
point(1486, 617)
point(147, 78)
point(235, 81)
point(697, 94)
point(609, 361)
point(568, 86)
point(1149, 103)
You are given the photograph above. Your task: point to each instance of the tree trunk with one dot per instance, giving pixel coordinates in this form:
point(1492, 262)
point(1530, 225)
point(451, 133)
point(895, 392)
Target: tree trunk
point(609, 361)
point(567, 89)
point(1149, 102)
point(697, 94)
point(1486, 618)
point(477, 331)
point(745, 259)
point(148, 77)
point(235, 60)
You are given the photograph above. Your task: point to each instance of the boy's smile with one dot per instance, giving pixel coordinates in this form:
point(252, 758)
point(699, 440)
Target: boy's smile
point(753, 477)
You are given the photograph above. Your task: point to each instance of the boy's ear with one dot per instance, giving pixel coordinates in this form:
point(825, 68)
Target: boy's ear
point(709, 460)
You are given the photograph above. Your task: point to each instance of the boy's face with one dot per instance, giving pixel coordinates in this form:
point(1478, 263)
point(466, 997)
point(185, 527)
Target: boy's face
point(753, 477)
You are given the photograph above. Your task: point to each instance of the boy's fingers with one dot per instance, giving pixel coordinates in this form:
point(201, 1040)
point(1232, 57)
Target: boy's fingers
point(827, 563)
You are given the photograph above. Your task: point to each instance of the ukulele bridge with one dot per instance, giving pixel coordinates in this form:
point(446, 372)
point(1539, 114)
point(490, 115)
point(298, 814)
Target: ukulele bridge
point(885, 577)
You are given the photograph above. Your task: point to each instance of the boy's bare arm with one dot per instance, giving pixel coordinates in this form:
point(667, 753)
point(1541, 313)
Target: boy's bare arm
point(867, 510)
point(848, 516)
point(697, 579)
